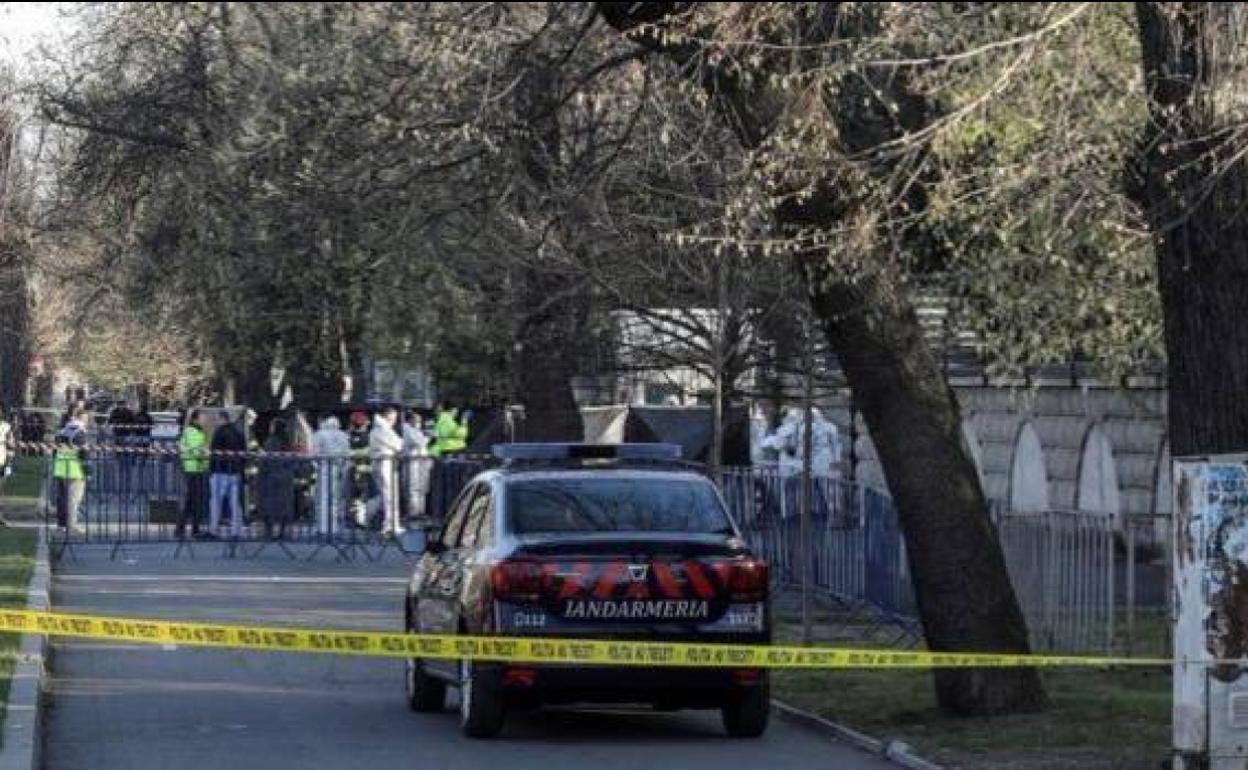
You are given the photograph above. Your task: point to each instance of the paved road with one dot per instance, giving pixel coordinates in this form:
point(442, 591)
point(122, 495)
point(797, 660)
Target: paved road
point(124, 706)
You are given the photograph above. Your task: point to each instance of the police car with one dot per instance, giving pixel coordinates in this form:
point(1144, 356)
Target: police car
point(566, 540)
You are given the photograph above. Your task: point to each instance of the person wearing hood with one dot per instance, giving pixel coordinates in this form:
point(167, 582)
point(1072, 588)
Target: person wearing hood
point(826, 445)
point(332, 447)
point(419, 464)
point(385, 447)
point(787, 441)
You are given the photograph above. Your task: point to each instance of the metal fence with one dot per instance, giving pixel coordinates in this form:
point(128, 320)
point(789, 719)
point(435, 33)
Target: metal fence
point(344, 505)
point(1087, 582)
point(857, 552)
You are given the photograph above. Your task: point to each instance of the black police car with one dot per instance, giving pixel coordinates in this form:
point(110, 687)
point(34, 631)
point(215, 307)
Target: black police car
point(566, 540)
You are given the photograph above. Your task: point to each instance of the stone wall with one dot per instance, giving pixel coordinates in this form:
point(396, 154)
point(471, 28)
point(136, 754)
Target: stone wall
point(1084, 448)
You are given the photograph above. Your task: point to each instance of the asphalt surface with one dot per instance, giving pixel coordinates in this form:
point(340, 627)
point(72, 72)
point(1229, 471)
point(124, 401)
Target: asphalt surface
point(128, 706)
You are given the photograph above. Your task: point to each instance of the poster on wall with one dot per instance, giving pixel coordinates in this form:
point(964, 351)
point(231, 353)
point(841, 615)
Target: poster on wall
point(1210, 545)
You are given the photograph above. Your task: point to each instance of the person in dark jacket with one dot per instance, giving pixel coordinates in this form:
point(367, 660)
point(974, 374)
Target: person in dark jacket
point(229, 463)
point(275, 486)
point(141, 440)
point(121, 425)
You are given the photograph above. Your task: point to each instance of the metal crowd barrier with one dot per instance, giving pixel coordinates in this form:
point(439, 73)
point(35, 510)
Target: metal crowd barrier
point(857, 550)
point(347, 506)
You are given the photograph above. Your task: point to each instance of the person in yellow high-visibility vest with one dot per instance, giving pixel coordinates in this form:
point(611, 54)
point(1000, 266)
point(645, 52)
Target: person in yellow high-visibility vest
point(450, 432)
point(69, 472)
point(193, 451)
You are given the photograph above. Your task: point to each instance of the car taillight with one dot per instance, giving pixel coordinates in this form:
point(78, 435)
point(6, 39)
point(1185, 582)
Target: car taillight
point(518, 582)
point(519, 677)
point(747, 580)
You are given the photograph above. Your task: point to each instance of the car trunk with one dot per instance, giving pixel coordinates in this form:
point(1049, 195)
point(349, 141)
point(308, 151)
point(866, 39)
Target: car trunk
point(627, 580)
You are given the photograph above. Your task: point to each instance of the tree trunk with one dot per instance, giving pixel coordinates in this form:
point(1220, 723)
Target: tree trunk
point(15, 342)
point(1193, 184)
point(547, 362)
point(552, 332)
point(965, 599)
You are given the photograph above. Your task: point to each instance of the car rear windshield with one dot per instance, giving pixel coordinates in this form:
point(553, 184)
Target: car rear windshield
point(615, 505)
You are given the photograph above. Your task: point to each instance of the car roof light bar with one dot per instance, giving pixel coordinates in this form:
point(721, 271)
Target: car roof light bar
point(512, 452)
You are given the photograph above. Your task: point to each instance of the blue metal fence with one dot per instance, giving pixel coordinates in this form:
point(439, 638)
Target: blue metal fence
point(857, 551)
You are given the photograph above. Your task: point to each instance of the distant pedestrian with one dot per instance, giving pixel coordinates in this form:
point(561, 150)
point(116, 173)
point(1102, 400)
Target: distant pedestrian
point(275, 484)
point(332, 449)
point(361, 469)
point(120, 427)
point(418, 464)
point(69, 470)
point(300, 432)
point(141, 440)
point(193, 450)
point(385, 447)
point(229, 464)
point(451, 431)
point(8, 450)
point(120, 422)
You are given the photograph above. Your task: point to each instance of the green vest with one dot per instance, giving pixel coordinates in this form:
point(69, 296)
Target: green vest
point(67, 465)
point(193, 448)
point(450, 436)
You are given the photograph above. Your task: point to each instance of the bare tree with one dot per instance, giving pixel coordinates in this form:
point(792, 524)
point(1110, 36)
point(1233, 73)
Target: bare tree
point(963, 590)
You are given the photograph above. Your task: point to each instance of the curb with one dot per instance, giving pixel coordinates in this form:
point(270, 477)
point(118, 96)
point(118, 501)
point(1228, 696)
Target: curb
point(23, 720)
point(895, 751)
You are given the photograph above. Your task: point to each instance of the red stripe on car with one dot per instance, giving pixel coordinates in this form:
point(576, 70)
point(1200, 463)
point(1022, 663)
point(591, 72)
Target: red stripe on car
point(697, 578)
point(574, 583)
point(668, 584)
point(610, 580)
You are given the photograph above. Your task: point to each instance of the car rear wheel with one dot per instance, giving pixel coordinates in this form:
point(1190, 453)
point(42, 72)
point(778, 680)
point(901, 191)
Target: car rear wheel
point(482, 710)
point(747, 711)
point(424, 693)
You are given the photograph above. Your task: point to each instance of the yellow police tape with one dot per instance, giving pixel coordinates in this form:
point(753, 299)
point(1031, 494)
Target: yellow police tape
point(531, 650)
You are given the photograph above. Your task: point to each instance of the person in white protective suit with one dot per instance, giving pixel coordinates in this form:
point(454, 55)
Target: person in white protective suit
point(419, 464)
point(787, 443)
point(385, 449)
point(332, 448)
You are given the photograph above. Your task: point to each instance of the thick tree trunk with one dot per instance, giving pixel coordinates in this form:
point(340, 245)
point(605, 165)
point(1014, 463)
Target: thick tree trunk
point(552, 332)
point(14, 339)
point(1193, 183)
point(547, 362)
point(966, 601)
